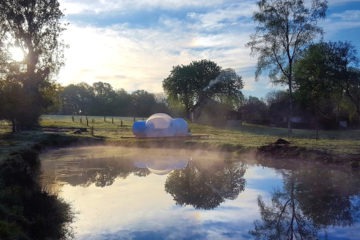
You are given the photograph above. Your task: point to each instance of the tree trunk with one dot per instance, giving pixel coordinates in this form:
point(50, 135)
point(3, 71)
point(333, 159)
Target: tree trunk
point(317, 121)
point(14, 126)
point(290, 115)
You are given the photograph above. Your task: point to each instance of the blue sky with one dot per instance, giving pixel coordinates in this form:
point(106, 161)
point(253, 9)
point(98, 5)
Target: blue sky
point(134, 44)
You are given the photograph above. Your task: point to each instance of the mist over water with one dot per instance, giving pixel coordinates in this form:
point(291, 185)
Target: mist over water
point(129, 193)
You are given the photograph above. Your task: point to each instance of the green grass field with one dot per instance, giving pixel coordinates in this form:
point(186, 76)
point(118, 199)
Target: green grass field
point(118, 130)
point(114, 129)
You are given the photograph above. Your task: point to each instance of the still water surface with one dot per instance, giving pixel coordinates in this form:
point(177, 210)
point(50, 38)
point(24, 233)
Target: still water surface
point(128, 193)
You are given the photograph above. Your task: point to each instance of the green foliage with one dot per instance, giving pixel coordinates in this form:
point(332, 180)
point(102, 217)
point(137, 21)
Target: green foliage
point(254, 110)
point(194, 84)
point(76, 99)
point(101, 99)
point(142, 103)
point(284, 28)
point(34, 27)
point(325, 82)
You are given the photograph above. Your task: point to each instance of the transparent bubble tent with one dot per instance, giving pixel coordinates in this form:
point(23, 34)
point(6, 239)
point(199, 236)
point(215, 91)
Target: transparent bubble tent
point(161, 125)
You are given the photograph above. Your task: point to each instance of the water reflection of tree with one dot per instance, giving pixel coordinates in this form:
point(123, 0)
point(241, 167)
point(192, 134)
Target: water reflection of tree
point(206, 188)
point(326, 198)
point(283, 219)
point(102, 171)
point(312, 199)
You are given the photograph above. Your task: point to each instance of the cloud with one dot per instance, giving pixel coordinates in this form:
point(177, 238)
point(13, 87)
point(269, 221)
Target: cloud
point(133, 46)
point(341, 2)
point(104, 6)
point(225, 17)
point(347, 16)
point(145, 56)
point(340, 22)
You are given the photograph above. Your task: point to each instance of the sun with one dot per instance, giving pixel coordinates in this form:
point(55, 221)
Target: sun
point(16, 54)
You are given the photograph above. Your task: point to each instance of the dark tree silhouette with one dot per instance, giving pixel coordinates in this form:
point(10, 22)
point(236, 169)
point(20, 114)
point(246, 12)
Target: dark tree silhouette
point(34, 26)
point(312, 199)
point(27, 212)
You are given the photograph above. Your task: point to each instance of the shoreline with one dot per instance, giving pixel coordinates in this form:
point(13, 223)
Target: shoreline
point(280, 151)
point(20, 168)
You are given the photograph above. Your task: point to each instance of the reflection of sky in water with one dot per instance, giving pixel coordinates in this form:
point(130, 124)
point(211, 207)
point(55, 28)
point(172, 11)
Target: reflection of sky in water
point(135, 207)
point(139, 208)
point(262, 179)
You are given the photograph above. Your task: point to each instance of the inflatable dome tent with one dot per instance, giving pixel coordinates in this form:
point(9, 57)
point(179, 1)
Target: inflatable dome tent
point(161, 125)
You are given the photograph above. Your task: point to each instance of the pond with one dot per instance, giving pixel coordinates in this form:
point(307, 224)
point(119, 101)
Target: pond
point(129, 193)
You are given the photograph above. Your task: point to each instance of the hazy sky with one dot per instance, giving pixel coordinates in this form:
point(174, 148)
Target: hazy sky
point(134, 44)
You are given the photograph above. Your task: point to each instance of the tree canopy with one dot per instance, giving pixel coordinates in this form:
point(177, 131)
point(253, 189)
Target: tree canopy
point(284, 28)
point(199, 81)
point(33, 27)
point(102, 100)
point(324, 78)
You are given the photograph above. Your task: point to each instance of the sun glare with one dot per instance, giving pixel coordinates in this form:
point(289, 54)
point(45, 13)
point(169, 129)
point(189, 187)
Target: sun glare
point(16, 54)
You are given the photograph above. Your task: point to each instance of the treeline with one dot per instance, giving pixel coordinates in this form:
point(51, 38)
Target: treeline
point(326, 90)
point(271, 111)
point(100, 99)
point(323, 79)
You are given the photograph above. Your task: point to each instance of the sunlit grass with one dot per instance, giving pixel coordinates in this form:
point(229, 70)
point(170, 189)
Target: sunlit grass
point(249, 136)
point(118, 130)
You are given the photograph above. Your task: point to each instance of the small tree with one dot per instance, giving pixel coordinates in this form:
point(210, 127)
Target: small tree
point(284, 28)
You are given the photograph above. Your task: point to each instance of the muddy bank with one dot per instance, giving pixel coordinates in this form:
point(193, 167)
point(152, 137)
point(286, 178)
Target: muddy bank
point(282, 150)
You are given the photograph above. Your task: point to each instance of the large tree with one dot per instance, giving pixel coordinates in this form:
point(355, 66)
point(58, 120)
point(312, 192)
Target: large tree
point(199, 81)
point(283, 28)
point(34, 27)
point(325, 78)
point(352, 88)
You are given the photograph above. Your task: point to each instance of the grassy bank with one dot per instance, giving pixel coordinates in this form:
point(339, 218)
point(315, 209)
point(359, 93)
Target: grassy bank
point(247, 136)
point(26, 210)
point(342, 144)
